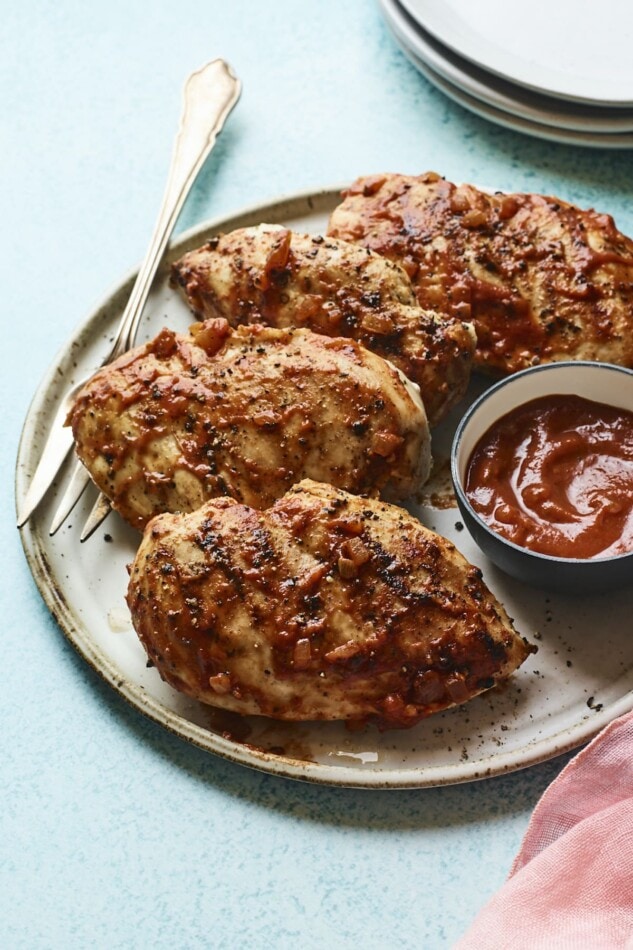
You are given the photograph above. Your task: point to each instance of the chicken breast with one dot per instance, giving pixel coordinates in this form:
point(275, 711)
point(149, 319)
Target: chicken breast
point(247, 413)
point(277, 277)
point(325, 606)
point(540, 279)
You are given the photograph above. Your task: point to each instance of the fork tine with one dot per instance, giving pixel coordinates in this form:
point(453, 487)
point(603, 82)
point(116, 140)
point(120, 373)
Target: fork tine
point(57, 448)
point(73, 493)
point(100, 511)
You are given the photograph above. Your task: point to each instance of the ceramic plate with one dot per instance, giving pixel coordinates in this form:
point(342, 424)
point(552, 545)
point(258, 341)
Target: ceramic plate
point(515, 122)
point(495, 91)
point(573, 49)
point(580, 679)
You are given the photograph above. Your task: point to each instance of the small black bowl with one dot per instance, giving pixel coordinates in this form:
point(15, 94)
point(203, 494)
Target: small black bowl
point(599, 382)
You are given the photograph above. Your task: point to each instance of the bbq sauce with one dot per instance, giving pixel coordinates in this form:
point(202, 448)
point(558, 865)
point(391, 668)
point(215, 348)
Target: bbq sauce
point(555, 475)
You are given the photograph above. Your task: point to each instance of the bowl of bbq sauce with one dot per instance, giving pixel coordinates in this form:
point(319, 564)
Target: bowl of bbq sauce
point(542, 468)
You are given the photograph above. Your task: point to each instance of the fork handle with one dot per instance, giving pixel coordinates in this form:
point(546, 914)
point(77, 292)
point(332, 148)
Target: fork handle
point(210, 94)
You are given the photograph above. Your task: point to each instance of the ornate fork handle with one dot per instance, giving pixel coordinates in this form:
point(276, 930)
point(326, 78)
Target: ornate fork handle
point(210, 94)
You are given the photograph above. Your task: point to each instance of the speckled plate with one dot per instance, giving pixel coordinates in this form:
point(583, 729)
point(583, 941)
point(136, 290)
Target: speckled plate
point(580, 679)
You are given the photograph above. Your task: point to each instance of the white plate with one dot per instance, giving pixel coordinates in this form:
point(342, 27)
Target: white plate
point(515, 122)
point(573, 49)
point(497, 92)
point(580, 679)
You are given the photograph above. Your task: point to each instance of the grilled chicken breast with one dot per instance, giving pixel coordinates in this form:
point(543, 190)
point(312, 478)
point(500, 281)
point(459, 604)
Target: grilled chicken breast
point(540, 279)
point(325, 606)
point(247, 413)
point(280, 278)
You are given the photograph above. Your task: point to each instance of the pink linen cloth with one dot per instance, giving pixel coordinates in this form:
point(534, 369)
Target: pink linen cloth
point(571, 884)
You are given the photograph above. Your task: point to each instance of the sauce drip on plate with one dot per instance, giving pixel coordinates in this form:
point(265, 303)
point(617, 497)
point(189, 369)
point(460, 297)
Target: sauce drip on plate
point(555, 475)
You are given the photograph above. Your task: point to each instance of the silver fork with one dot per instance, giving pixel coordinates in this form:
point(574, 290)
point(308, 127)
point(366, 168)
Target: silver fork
point(210, 94)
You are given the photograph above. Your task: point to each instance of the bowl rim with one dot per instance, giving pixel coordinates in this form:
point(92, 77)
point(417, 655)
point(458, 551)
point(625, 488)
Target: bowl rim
point(457, 482)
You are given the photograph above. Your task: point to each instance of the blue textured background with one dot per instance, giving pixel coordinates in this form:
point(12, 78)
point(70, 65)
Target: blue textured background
point(114, 833)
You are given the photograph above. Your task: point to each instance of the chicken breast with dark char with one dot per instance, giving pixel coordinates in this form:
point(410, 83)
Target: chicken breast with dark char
point(274, 276)
point(540, 279)
point(325, 606)
point(247, 413)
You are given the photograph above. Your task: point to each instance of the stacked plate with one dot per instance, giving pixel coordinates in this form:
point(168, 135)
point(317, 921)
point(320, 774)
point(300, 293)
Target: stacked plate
point(561, 70)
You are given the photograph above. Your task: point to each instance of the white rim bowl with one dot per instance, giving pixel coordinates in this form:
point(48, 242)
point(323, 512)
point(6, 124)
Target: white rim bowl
point(599, 382)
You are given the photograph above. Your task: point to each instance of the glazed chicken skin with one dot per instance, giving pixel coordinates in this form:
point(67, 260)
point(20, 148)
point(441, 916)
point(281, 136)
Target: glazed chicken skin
point(247, 413)
point(540, 279)
point(326, 606)
point(274, 276)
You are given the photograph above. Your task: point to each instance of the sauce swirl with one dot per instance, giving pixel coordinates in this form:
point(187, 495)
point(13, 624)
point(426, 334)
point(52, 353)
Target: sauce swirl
point(555, 475)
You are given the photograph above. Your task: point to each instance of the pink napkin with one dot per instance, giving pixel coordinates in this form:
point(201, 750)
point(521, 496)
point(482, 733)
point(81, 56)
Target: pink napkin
point(571, 884)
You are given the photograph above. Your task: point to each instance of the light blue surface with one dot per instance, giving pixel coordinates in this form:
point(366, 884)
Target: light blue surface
point(113, 833)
